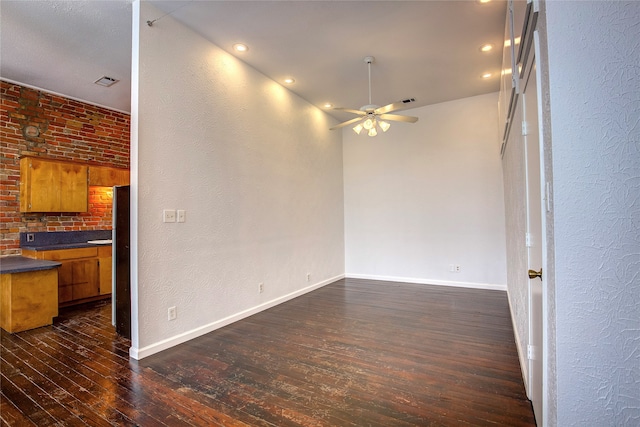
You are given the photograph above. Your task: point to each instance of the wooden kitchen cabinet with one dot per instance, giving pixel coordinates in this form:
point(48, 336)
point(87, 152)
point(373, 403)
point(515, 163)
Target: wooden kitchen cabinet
point(48, 185)
point(104, 176)
point(83, 275)
point(28, 299)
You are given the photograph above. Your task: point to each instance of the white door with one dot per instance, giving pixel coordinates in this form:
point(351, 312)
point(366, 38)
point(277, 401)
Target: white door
point(535, 238)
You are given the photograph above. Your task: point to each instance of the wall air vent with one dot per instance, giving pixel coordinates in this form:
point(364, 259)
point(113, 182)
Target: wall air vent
point(106, 81)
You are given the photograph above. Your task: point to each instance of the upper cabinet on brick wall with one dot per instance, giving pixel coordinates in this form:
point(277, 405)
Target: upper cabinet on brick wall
point(53, 186)
point(104, 176)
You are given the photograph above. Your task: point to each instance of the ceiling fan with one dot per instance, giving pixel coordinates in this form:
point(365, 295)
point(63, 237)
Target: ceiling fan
point(372, 116)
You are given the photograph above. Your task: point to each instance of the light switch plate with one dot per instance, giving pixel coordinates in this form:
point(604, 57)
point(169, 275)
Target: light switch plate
point(182, 215)
point(169, 215)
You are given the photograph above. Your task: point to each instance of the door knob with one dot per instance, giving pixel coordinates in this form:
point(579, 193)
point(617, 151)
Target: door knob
point(533, 274)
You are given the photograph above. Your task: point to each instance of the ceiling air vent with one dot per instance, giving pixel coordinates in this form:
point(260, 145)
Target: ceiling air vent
point(106, 81)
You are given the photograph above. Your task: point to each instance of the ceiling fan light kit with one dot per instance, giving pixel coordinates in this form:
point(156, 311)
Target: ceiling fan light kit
point(370, 115)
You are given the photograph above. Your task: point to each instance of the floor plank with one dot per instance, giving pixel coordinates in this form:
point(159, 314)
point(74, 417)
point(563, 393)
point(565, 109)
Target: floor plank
point(353, 353)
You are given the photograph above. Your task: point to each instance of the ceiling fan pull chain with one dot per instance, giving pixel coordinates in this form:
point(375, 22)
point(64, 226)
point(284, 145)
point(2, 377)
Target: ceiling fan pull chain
point(369, 63)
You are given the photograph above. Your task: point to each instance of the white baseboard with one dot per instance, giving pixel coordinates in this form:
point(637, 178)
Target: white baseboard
point(421, 281)
point(140, 353)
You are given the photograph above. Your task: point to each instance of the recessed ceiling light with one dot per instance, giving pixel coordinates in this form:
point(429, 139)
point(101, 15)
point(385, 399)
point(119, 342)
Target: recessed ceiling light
point(486, 75)
point(239, 47)
point(486, 47)
point(106, 81)
point(483, 1)
point(289, 80)
point(328, 105)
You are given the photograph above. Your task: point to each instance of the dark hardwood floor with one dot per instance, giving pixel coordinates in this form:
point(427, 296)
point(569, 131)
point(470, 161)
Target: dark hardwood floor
point(354, 353)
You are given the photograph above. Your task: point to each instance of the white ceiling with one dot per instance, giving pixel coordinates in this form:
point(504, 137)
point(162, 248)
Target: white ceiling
point(64, 46)
point(427, 50)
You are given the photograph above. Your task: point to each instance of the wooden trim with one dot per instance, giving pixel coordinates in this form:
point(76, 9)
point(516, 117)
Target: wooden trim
point(85, 300)
point(64, 160)
point(61, 254)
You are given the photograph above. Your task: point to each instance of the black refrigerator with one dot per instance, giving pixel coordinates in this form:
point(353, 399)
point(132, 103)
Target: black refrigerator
point(121, 261)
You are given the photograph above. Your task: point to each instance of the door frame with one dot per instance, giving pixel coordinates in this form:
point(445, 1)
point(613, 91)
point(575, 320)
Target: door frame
point(528, 61)
point(545, 188)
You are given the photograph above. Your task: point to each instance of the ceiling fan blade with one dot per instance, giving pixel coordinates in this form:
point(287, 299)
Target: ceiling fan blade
point(397, 118)
point(395, 106)
point(348, 110)
point(347, 123)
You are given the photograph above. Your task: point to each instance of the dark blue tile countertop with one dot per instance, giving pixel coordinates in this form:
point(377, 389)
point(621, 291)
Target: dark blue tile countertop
point(61, 246)
point(20, 264)
point(47, 241)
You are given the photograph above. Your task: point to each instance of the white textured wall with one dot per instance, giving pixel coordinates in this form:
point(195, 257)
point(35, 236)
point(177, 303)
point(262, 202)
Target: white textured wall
point(426, 195)
point(594, 89)
point(254, 166)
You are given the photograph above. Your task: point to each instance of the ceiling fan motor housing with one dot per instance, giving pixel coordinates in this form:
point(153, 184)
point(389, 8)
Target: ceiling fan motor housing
point(369, 108)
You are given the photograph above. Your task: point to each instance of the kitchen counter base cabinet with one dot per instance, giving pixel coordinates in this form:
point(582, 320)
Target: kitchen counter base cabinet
point(80, 277)
point(28, 300)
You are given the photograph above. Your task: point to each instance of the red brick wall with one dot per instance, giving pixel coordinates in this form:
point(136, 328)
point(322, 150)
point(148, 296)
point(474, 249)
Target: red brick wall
point(68, 129)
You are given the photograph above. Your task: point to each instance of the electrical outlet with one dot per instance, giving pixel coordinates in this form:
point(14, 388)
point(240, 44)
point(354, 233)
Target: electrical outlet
point(260, 287)
point(172, 313)
point(454, 268)
point(169, 215)
point(308, 277)
point(182, 215)
point(30, 237)
point(457, 269)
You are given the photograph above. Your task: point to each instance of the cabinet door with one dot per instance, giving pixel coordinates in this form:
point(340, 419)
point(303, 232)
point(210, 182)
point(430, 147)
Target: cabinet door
point(39, 186)
point(65, 283)
point(74, 188)
point(53, 186)
point(85, 278)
